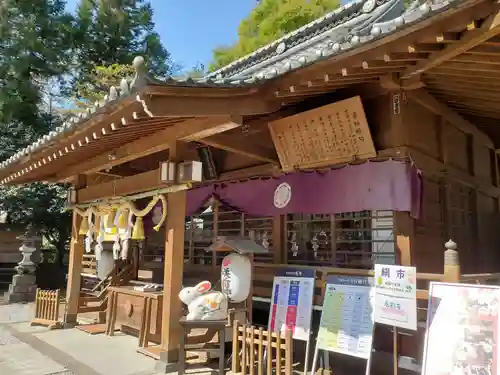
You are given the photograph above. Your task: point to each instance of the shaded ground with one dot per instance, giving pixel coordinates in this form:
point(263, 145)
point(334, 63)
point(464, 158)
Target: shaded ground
point(26, 350)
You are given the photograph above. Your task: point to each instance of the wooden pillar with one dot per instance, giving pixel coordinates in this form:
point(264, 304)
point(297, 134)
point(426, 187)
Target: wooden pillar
point(451, 263)
point(404, 238)
point(74, 272)
point(174, 264)
point(278, 246)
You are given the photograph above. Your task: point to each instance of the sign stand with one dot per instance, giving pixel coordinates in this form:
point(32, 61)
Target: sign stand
point(396, 301)
point(395, 349)
point(292, 305)
point(347, 324)
point(452, 342)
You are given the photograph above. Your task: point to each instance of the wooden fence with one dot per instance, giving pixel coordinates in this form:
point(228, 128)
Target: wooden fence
point(255, 349)
point(47, 308)
point(409, 343)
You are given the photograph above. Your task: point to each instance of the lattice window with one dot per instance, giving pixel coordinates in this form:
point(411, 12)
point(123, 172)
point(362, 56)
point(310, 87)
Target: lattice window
point(261, 230)
point(354, 239)
point(230, 222)
point(198, 237)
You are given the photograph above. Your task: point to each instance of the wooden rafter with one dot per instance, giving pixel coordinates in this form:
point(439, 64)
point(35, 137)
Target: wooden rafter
point(425, 99)
point(190, 130)
point(478, 59)
point(472, 38)
point(242, 147)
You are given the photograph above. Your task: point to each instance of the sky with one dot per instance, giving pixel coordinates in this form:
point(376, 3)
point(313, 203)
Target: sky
point(191, 29)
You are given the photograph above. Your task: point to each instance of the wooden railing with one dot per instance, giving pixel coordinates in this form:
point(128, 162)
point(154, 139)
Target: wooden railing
point(89, 264)
point(47, 308)
point(117, 276)
point(252, 343)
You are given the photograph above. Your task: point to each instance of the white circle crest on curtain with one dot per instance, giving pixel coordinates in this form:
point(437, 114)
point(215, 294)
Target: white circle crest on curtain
point(156, 215)
point(282, 195)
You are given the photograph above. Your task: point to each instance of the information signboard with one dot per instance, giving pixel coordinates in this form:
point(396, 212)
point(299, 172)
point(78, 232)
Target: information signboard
point(462, 330)
point(346, 324)
point(396, 296)
point(292, 302)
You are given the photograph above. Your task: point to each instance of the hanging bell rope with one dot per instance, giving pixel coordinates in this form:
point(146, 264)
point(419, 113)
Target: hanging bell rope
point(82, 209)
point(138, 230)
point(122, 221)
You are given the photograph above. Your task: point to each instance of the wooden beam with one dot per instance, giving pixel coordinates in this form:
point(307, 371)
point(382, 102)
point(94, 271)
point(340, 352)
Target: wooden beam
point(121, 187)
point(183, 106)
point(425, 99)
point(241, 146)
point(188, 131)
point(488, 29)
point(269, 169)
point(392, 82)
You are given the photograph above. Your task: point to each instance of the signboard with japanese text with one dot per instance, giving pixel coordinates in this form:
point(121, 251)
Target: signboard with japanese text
point(462, 330)
point(332, 134)
point(396, 296)
point(346, 324)
point(292, 302)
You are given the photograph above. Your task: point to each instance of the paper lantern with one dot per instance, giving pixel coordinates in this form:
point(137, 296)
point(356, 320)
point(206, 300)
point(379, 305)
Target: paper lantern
point(236, 277)
point(138, 230)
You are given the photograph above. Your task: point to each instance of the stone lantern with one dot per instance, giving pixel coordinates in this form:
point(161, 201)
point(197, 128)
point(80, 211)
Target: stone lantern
point(23, 286)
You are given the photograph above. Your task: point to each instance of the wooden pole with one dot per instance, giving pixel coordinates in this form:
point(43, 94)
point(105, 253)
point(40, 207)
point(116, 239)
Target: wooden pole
point(74, 272)
point(172, 284)
point(395, 349)
point(451, 263)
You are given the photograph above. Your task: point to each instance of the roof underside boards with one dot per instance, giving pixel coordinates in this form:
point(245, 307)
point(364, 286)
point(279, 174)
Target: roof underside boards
point(359, 43)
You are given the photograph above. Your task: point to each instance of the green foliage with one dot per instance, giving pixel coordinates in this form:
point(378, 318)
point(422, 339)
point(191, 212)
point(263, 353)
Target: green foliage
point(197, 71)
point(108, 32)
point(41, 46)
point(34, 45)
point(99, 82)
point(268, 21)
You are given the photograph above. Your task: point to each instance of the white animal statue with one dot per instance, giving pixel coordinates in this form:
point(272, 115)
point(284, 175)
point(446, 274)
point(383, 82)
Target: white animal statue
point(203, 303)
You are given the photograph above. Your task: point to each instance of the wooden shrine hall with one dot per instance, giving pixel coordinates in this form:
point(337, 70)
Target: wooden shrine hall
point(367, 136)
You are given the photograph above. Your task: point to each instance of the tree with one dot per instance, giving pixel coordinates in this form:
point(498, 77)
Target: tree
point(42, 49)
point(268, 21)
point(98, 83)
point(114, 32)
point(34, 50)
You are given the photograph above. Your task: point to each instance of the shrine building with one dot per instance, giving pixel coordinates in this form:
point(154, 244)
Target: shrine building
point(367, 136)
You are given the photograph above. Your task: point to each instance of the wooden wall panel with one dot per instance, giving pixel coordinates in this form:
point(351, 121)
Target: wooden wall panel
point(378, 114)
point(482, 162)
point(458, 199)
point(488, 233)
point(422, 129)
point(457, 150)
point(430, 228)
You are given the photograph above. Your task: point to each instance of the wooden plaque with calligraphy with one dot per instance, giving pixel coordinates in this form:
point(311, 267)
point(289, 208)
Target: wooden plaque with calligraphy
point(333, 134)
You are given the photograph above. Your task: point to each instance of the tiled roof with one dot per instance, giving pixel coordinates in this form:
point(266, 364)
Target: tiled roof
point(115, 96)
point(348, 27)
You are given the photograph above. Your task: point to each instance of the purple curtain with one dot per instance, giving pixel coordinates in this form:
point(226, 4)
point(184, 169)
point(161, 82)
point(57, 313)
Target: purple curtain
point(387, 185)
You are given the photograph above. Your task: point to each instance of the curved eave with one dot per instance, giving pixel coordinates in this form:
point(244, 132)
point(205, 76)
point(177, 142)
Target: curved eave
point(146, 111)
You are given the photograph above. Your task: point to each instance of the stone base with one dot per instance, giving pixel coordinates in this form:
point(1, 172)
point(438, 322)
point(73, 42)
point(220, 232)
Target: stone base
point(22, 289)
